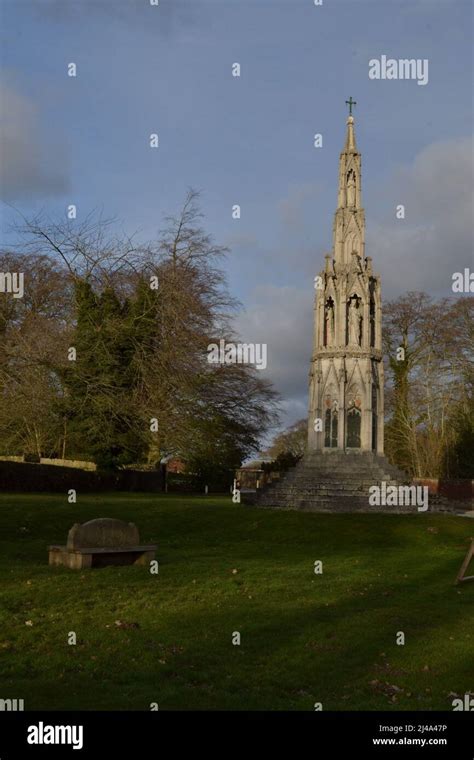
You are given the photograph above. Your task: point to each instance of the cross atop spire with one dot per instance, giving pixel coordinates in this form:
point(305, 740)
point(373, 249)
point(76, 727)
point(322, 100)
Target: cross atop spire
point(351, 103)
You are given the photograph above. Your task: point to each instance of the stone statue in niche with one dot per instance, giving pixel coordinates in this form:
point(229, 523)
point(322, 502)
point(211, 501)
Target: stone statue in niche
point(329, 322)
point(351, 187)
point(355, 321)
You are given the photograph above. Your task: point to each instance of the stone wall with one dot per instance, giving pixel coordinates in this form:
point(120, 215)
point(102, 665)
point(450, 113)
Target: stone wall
point(76, 463)
point(22, 477)
point(456, 490)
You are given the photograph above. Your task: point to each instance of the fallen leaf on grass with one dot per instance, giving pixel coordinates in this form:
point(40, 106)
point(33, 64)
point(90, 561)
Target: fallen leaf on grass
point(388, 669)
point(124, 624)
point(385, 688)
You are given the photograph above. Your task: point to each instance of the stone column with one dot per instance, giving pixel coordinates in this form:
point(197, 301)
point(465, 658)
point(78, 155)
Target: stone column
point(342, 331)
point(318, 412)
point(378, 318)
point(341, 419)
point(380, 409)
point(319, 327)
point(310, 407)
point(366, 326)
point(366, 437)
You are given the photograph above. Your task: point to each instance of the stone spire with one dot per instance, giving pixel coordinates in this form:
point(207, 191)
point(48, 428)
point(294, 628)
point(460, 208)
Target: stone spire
point(346, 375)
point(349, 220)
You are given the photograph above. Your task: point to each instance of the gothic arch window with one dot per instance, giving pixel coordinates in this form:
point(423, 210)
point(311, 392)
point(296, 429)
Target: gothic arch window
point(330, 425)
point(353, 427)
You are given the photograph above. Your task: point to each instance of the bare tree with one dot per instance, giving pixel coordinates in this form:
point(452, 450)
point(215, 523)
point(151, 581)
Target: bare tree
point(430, 357)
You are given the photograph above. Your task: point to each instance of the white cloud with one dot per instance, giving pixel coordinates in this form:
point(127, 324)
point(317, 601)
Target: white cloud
point(435, 239)
point(31, 165)
point(282, 318)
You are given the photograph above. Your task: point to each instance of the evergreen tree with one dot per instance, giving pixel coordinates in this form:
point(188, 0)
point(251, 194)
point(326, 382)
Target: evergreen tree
point(105, 422)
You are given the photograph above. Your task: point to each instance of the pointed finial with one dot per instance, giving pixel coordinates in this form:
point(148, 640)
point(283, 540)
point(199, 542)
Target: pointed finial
point(350, 146)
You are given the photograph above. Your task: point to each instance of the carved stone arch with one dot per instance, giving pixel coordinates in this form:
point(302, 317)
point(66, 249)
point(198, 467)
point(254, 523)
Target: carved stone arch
point(355, 382)
point(354, 394)
point(330, 380)
point(352, 239)
point(330, 290)
point(352, 245)
point(357, 287)
point(331, 394)
point(353, 415)
point(357, 280)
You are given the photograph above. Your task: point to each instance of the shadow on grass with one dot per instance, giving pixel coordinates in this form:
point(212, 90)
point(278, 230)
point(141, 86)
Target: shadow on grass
point(305, 638)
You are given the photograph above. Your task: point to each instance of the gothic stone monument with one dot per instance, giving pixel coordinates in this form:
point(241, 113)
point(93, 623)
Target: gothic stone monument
point(346, 415)
point(346, 377)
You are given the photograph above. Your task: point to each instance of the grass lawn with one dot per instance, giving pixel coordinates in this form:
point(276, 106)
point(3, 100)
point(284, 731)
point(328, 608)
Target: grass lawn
point(305, 638)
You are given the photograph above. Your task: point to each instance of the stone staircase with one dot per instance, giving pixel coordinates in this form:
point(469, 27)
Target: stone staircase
point(337, 481)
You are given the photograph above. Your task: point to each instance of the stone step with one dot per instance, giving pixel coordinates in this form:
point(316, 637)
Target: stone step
point(332, 482)
point(304, 478)
point(354, 486)
point(345, 469)
point(331, 504)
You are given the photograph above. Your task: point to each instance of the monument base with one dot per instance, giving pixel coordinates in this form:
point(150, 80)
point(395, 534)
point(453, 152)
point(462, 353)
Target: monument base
point(334, 480)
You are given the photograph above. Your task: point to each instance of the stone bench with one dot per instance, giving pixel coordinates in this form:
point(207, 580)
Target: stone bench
point(102, 542)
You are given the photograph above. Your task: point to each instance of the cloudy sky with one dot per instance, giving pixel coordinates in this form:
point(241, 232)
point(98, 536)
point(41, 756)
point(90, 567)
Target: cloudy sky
point(167, 69)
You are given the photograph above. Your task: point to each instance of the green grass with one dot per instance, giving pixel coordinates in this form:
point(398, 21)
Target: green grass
point(305, 638)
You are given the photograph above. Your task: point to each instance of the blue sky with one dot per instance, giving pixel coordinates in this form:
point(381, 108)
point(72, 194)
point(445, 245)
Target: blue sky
point(248, 140)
